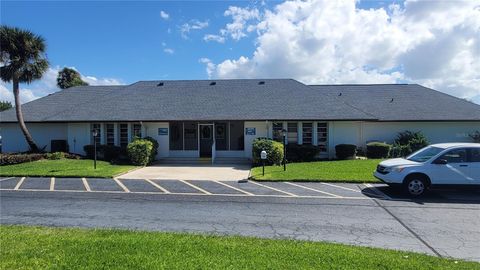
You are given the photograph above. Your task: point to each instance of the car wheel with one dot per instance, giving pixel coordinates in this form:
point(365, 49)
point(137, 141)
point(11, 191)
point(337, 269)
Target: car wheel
point(416, 186)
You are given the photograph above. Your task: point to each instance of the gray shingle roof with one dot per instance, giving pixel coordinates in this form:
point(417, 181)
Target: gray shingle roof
point(276, 99)
point(403, 102)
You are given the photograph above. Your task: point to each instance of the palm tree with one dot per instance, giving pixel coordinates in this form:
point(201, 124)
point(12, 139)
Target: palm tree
point(69, 77)
point(22, 60)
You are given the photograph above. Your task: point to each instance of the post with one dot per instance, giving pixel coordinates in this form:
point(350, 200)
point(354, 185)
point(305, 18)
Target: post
point(263, 156)
point(95, 133)
point(263, 168)
point(284, 133)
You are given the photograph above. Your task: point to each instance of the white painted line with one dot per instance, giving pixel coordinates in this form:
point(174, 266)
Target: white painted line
point(337, 186)
point(376, 190)
point(272, 188)
point(121, 185)
point(195, 187)
point(85, 183)
point(52, 184)
point(157, 186)
point(19, 183)
point(3, 179)
point(313, 189)
point(234, 188)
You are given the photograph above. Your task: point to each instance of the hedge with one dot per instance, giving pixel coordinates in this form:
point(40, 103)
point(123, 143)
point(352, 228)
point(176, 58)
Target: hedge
point(302, 153)
point(345, 151)
point(10, 159)
point(273, 148)
point(378, 150)
point(140, 152)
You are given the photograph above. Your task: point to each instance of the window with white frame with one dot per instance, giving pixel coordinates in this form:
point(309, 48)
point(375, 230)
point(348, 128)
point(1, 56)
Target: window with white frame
point(136, 130)
point(277, 128)
point(322, 134)
point(109, 134)
point(307, 133)
point(95, 127)
point(292, 132)
point(123, 134)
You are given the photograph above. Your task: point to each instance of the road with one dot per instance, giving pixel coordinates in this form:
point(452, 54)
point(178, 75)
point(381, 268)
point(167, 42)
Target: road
point(441, 225)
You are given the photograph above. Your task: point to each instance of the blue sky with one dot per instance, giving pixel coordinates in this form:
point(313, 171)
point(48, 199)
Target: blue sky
point(123, 42)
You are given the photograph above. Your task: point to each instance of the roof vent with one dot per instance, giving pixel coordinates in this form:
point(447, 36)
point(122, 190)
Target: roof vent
point(391, 100)
point(213, 83)
point(261, 82)
point(339, 94)
point(160, 84)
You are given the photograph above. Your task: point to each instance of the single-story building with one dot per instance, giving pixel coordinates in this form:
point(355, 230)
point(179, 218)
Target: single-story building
point(221, 118)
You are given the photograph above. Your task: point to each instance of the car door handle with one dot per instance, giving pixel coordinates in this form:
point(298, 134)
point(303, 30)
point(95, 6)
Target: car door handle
point(463, 165)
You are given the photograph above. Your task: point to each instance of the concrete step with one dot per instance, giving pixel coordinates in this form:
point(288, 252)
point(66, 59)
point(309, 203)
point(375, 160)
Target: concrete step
point(218, 160)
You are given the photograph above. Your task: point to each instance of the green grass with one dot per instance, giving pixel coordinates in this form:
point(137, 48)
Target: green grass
point(334, 171)
point(60, 248)
point(64, 168)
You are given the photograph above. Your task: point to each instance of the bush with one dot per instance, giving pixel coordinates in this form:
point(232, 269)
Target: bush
point(273, 148)
point(475, 136)
point(155, 148)
point(408, 142)
point(345, 151)
point(140, 152)
point(55, 155)
point(104, 152)
point(10, 159)
point(302, 153)
point(378, 150)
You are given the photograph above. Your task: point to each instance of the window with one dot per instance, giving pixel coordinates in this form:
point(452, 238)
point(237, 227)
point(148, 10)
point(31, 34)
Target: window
point(292, 133)
point(123, 132)
point(176, 136)
point(277, 131)
point(94, 127)
point(236, 135)
point(425, 154)
point(110, 134)
point(455, 156)
point(137, 130)
point(190, 135)
point(474, 154)
point(221, 136)
point(322, 133)
point(307, 129)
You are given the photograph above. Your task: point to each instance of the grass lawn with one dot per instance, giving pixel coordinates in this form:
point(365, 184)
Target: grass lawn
point(333, 171)
point(64, 168)
point(60, 248)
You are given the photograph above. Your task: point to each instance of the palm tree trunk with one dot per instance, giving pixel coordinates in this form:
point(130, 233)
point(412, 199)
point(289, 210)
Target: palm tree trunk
point(18, 110)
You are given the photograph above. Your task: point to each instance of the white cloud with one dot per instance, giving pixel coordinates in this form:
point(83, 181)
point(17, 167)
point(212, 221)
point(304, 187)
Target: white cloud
point(164, 15)
point(215, 38)
point(192, 25)
point(210, 66)
point(432, 43)
point(47, 85)
point(168, 51)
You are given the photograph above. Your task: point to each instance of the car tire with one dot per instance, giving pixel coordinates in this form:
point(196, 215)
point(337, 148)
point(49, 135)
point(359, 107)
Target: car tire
point(416, 185)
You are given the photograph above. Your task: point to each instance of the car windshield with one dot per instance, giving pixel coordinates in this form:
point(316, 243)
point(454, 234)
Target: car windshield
point(425, 154)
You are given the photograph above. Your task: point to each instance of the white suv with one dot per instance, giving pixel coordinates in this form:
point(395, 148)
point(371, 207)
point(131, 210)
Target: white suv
point(437, 164)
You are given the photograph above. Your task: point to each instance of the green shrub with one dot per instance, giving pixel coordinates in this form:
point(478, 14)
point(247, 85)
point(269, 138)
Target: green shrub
point(475, 136)
point(378, 150)
point(408, 142)
point(104, 152)
point(400, 151)
point(10, 159)
point(302, 152)
point(140, 152)
point(273, 148)
point(345, 151)
point(155, 148)
point(55, 155)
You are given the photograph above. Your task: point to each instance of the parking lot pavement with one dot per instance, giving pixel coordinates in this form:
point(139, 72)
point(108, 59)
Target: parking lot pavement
point(231, 188)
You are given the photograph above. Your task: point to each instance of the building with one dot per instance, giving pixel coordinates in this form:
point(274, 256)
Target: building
point(221, 118)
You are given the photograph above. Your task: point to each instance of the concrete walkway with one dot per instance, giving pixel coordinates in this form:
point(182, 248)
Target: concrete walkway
point(217, 172)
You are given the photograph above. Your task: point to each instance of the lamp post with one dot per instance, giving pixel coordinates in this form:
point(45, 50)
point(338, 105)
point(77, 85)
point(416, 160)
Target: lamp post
point(95, 134)
point(284, 135)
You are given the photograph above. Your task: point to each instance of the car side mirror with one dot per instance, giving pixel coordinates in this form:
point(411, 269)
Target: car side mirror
point(440, 161)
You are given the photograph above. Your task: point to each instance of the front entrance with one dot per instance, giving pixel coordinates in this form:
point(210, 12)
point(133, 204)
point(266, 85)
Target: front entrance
point(206, 139)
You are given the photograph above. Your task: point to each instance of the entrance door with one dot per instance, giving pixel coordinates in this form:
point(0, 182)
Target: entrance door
point(206, 140)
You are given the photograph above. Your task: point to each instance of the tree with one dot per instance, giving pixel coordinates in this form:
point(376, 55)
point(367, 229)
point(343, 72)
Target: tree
point(5, 105)
point(68, 77)
point(23, 60)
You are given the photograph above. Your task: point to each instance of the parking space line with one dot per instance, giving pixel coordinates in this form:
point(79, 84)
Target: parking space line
point(376, 190)
point(272, 188)
point(85, 183)
point(234, 188)
point(195, 187)
point(19, 183)
point(157, 186)
point(313, 189)
point(3, 179)
point(337, 186)
point(52, 184)
point(121, 185)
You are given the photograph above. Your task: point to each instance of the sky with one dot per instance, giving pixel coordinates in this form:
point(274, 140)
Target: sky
point(433, 43)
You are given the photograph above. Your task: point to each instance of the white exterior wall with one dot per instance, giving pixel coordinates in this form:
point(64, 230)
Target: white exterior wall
point(151, 129)
point(42, 133)
point(261, 130)
point(78, 137)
